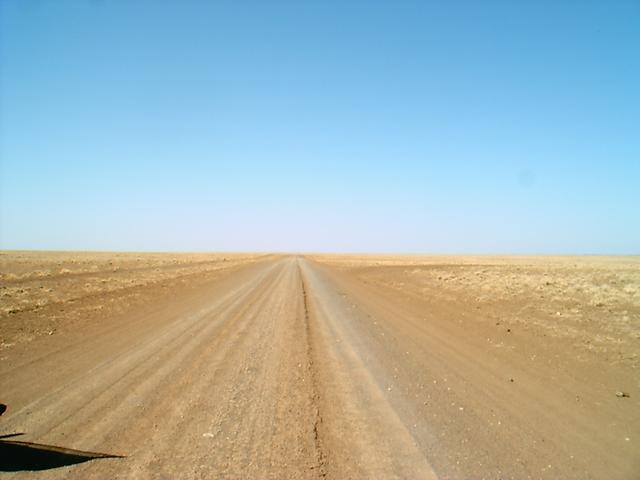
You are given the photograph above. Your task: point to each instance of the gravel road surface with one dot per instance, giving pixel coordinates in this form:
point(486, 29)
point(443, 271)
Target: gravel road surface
point(289, 367)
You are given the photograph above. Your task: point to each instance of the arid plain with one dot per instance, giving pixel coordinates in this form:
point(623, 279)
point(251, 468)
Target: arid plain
point(320, 366)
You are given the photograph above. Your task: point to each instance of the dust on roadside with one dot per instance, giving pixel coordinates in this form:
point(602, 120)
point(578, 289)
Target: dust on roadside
point(42, 293)
point(591, 302)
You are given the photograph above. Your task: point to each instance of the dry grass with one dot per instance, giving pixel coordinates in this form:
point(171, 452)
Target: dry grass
point(593, 301)
point(39, 290)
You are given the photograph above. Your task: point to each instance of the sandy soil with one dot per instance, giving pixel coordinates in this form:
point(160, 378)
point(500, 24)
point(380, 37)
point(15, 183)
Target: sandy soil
point(41, 291)
point(247, 366)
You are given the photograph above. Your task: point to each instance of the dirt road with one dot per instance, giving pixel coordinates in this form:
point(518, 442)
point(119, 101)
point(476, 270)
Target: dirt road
point(294, 367)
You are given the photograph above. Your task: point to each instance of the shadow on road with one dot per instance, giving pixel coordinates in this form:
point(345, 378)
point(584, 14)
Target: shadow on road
point(16, 456)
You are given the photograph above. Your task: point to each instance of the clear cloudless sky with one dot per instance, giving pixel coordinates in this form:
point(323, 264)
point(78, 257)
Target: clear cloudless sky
point(372, 126)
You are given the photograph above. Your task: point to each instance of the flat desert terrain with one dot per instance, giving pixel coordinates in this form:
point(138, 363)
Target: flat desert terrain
point(319, 366)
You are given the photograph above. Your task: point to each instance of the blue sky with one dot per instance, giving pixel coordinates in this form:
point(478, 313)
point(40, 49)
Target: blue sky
point(445, 127)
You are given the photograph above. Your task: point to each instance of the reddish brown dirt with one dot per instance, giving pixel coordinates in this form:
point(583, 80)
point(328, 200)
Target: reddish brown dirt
point(221, 366)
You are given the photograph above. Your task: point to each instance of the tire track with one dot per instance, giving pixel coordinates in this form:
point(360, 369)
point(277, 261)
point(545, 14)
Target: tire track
point(317, 421)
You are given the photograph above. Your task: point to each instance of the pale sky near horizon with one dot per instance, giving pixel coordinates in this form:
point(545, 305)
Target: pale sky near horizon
point(369, 126)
